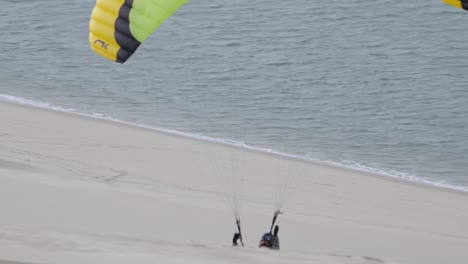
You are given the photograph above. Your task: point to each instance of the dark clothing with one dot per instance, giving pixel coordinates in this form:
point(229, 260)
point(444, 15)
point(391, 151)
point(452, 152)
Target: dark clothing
point(236, 237)
point(270, 241)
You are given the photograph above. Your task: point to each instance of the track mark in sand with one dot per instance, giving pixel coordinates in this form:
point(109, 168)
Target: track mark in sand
point(13, 262)
point(11, 163)
point(114, 178)
point(373, 260)
point(341, 256)
point(38, 239)
point(195, 245)
point(353, 259)
point(73, 167)
point(90, 243)
point(69, 166)
point(91, 145)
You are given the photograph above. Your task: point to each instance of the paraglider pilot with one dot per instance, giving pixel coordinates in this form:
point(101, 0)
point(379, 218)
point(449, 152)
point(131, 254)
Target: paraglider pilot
point(271, 239)
point(237, 237)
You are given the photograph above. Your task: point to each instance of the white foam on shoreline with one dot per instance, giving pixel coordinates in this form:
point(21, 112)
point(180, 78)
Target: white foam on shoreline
point(344, 164)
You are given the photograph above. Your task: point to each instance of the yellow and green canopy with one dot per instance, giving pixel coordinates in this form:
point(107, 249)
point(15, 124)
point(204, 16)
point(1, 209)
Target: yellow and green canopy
point(118, 27)
point(462, 4)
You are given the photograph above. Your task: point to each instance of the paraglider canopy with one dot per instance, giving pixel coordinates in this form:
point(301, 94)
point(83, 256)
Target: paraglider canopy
point(118, 27)
point(462, 4)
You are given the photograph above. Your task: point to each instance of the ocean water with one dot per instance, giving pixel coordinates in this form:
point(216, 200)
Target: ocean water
point(380, 85)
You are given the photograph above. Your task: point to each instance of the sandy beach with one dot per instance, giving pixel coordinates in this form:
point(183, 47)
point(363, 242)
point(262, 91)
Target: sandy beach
point(74, 189)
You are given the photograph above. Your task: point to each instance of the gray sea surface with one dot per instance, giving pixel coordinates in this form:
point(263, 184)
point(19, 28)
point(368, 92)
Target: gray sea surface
point(376, 85)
